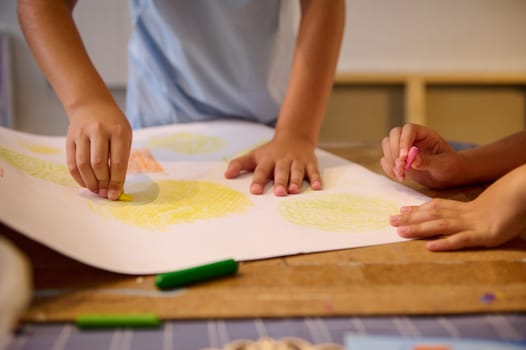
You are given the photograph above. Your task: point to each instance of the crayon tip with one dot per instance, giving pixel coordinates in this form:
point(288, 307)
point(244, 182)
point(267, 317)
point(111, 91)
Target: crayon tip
point(125, 197)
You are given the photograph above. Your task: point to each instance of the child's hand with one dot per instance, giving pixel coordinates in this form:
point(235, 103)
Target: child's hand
point(495, 217)
point(286, 159)
point(436, 165)
point(97, 149)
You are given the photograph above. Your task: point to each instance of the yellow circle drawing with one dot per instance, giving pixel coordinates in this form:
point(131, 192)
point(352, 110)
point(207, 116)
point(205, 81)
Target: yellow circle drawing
point(41, 149)
point(187, 143)
point(338, 212)
point(170, 202)
point(44, 170)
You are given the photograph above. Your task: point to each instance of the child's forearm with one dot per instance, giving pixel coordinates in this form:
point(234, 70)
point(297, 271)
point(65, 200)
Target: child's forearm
point(491, 161)
point(57, 46)
point(313, 67)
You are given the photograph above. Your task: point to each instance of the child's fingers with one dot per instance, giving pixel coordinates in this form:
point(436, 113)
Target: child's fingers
point(435, 227)
point(457, 241)
point(262, 174)
point(99, 163)
point(83, 161)
point(119, 155)
point(71, 161)
point(314, 176)
point(387, 167)
point(297, 174)
point(281, 177)
point(407, 139)
point(419, 215)
point(436, 204)
point(240, 164)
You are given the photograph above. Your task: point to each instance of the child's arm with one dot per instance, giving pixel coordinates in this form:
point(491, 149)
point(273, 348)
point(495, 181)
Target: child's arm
point(491, 161)
point(289, 157)
point(495, 217)
point(99, 135)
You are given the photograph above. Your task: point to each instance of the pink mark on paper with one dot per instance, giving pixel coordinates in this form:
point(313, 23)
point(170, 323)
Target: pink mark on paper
point(411, 156)
point(1, 172)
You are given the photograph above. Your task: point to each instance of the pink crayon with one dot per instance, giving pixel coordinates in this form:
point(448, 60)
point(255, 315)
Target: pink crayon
point(411, 156)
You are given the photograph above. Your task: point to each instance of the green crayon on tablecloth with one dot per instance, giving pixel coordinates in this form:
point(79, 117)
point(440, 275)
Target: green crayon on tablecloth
point(196, 274)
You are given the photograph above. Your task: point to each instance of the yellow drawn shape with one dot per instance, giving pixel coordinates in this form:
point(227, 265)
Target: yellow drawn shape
point(338, 212)
point(187, 143)
point(41, 149)
point(44, 170)
point(172, 202)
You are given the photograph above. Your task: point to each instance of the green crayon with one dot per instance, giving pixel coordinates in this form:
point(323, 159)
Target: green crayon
point(95, 321)
point(196, 274)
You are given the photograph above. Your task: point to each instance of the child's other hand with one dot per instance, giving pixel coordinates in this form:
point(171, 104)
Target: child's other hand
point(436, 164)
point(495, 217)
point(286, 159)
point(97, 149)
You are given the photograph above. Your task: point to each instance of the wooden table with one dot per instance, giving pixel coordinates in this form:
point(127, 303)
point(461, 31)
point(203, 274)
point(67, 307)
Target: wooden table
point(393, 279)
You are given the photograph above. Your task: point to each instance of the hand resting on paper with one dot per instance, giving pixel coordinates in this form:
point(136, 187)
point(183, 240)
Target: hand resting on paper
point(288, 159)
point(493, 218)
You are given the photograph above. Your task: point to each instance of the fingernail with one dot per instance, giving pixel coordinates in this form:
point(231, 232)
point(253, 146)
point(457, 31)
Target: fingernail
point(431, 245)
point(256, 189)
point(399, 165)
point(402, 230)
point(113, 195)
point(293, 188)
point(280, 191)
point(316, 185)
point(394, 220)
point(405, 209)
point(103, 192)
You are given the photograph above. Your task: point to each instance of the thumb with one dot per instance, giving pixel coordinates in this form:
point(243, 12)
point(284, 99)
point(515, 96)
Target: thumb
point(422, 161)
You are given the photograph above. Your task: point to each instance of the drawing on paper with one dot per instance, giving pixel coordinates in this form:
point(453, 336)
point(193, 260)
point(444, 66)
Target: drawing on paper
point(41, 149)
point(182, 201)
point(188, 143)
point(338, 212)
point(44, 170)
point(142, 161)
point(157, 205)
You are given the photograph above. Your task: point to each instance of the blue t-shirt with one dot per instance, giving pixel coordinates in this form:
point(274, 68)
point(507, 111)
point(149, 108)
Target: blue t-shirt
point(194, 60)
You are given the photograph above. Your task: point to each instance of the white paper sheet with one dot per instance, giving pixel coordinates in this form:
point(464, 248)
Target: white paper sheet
point(184, 212)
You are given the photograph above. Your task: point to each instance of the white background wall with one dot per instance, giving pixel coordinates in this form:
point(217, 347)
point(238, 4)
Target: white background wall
point(437, 35)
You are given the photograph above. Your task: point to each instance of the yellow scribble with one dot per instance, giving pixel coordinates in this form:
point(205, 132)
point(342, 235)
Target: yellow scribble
point(187, 143)
point(338, 212)
point(44, 170)
point(41, 149)
point(171, 202)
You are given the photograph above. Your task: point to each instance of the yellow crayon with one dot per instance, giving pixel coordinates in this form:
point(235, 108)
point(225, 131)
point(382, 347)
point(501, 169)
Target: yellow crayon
point(125, 197)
